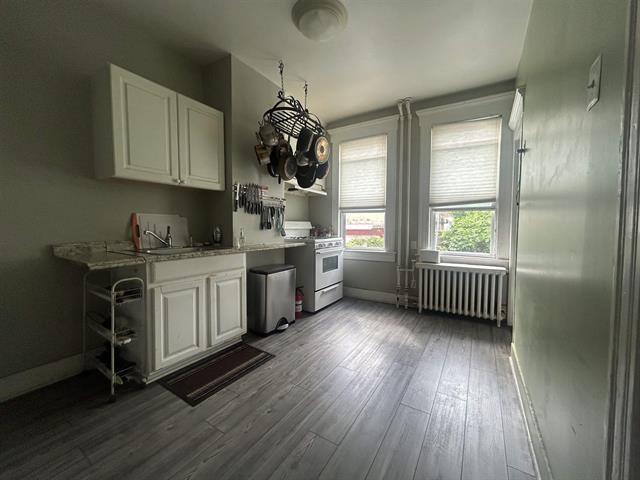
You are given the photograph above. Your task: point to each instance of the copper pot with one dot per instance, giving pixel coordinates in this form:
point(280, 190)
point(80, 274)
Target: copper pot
point(263, 154)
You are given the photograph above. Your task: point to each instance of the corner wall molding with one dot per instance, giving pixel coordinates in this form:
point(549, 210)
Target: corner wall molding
point(473, 101)
point(365, 124)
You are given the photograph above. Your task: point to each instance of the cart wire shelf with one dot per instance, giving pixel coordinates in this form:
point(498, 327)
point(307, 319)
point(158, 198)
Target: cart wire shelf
point(119, 337)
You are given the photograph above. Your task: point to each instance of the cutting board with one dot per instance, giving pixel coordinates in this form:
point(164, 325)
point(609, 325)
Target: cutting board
point(158, 224)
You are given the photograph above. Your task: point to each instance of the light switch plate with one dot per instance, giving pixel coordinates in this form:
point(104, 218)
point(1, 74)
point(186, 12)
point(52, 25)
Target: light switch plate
point(593, 84)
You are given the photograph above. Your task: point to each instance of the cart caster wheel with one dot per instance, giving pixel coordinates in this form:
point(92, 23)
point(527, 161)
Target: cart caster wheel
point(112, 399)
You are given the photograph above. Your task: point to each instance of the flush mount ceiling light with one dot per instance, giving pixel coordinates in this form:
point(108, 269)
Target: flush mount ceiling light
point(319, 20)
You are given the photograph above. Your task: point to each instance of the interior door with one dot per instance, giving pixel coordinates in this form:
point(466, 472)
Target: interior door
point(201, 144)
point(227, 315)
point(145, 131)
point(178, 321)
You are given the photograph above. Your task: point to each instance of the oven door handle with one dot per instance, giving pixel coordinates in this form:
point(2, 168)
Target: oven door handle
point(329, 289)
point(323, 251)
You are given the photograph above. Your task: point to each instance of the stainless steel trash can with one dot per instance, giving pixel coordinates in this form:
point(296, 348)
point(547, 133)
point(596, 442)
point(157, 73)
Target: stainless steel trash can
point(271, 297)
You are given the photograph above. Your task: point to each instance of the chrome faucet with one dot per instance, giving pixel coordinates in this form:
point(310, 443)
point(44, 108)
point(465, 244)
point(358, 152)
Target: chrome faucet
point(167, 241)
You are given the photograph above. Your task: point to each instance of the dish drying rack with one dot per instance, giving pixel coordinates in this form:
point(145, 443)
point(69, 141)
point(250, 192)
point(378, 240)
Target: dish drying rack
point(120, 292)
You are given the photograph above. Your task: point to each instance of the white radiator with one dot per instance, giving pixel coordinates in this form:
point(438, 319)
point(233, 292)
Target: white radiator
point(470, 290)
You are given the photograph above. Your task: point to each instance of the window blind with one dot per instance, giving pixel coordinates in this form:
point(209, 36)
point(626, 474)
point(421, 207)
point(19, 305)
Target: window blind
point(464, 162)
point(363, 173)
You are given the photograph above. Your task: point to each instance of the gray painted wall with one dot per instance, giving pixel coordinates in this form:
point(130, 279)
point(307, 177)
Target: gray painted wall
point(568, 217)
point(49, 52)
point(297, 207)
point(243, 95)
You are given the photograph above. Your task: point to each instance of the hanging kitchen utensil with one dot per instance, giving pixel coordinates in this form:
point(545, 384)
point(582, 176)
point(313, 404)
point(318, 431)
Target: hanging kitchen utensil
point(305, 139)
point(288, 167)
point(268, 134)
point(320, 149)
point(306, 176)
point(301, 159)
point(272, 167)
point(263, 154)
point(322, 171)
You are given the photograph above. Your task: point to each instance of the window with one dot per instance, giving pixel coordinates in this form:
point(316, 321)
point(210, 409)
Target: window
point(463, 185)
point(363, 192)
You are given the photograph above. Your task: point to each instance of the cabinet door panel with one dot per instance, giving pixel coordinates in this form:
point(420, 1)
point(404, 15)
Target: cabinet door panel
point(227, 306)
point(178, 321)
point(201, 144)
point(145, 128)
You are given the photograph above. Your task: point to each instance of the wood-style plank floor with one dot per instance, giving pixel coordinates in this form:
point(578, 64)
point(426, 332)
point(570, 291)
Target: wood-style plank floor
point(359, 390)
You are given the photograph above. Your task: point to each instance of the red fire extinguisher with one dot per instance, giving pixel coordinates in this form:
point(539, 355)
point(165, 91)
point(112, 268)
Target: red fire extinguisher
point(299, 298)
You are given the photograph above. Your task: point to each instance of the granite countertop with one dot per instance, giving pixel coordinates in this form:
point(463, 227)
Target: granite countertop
point(106, 255)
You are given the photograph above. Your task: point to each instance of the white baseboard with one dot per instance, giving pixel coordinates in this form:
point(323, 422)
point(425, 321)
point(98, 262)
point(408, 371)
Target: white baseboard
point(374, 295)
point(38, 377)
point(540, 459)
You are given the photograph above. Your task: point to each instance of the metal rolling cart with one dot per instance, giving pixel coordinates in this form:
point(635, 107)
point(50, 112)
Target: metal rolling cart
point(119, 293)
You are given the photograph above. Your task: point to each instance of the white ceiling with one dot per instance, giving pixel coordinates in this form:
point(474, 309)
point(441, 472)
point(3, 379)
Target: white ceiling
point(390, 49)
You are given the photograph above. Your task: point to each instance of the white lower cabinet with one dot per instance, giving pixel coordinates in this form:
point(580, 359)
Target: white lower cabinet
point(227, 315)
point(196, 314)
point(179, 318)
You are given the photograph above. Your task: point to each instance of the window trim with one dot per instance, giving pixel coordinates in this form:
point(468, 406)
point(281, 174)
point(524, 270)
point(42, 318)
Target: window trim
point(383, 126)
point(493, 105)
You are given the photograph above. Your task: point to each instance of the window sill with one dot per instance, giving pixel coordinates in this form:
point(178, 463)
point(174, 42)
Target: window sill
point(370, 256)
point(475, 260)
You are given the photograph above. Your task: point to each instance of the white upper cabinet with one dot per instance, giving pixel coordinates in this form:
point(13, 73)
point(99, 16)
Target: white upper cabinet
point(144, 131)
point(201, 140)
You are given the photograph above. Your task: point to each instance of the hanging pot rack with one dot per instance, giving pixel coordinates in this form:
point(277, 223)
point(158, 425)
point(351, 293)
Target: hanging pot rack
point(289, 116)
point(288, 119)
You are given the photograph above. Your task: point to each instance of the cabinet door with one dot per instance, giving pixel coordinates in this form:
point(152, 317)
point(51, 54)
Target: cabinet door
point(227, 306)
point(145, 128)
point(178, 321)
point(201, 144)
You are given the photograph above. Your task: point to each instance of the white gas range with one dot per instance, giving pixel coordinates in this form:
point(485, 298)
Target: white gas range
point(319, 265)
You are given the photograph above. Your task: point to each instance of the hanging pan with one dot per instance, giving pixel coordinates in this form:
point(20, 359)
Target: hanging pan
point(320, 150)
point(272, 166)
point(322, 171)
point(306, 176)
point(287, 167)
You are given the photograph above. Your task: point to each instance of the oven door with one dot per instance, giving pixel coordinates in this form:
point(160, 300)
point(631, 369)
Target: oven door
point(328, 267)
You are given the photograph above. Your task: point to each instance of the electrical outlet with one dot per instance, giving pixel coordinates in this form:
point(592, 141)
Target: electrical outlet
point(593, 84)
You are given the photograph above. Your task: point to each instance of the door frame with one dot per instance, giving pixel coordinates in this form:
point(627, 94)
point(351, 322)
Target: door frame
point(516, 121)
point(623, 423)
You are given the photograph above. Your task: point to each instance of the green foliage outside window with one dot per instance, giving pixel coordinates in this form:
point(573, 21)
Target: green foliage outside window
point(469, 232)
point(365, 242)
